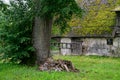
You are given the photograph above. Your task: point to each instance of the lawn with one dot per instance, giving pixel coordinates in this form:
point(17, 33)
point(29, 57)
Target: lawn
point(91, 68)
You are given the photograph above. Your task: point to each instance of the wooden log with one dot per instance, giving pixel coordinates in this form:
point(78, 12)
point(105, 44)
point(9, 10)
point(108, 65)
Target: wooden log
point(66, 68)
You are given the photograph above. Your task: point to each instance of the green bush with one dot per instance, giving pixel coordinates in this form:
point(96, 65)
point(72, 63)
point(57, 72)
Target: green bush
point(16, 32)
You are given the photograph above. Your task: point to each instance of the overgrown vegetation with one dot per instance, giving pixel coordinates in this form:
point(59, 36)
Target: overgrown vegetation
point(98, 17)
point(91, 68)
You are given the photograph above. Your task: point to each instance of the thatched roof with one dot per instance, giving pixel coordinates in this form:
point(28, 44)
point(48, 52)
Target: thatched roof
point(115, 33)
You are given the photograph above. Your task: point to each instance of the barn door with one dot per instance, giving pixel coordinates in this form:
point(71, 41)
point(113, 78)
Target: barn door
point(76, 47)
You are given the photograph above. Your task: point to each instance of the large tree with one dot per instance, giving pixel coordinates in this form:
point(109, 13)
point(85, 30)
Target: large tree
point(46, 11)
point(30, 21)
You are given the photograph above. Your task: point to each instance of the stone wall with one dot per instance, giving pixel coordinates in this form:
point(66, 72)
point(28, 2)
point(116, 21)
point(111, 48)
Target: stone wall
point(94, 46)
point(99, 46)
point(116, 47)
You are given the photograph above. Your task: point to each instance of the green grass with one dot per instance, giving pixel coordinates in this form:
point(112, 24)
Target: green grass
point(91, 68)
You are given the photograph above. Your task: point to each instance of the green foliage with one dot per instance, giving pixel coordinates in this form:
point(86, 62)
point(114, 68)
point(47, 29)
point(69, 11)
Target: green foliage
point(49, 9)
point(16, 32)
point(61, 11)
point(65, 14)
point(3, 6)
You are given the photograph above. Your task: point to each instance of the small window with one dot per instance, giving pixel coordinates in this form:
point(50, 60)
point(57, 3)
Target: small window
point(110, 41)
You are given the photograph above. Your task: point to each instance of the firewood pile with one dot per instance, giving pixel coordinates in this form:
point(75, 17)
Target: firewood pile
point(58, 65)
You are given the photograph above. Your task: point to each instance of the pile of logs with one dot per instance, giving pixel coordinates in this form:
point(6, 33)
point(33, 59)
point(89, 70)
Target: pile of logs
point(58, 65)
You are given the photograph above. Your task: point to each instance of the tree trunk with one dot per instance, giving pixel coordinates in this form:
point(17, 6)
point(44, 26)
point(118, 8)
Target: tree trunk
point(41, 39)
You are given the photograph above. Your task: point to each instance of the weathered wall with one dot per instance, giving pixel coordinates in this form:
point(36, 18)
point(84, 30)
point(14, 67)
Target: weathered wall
point(116, 47)
point(95, 46)
point(98, 46)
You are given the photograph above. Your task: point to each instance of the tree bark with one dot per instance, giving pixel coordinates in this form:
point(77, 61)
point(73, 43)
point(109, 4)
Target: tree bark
point(41, 38)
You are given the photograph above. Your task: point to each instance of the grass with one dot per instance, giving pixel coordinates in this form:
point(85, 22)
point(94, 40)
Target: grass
point(91, 68)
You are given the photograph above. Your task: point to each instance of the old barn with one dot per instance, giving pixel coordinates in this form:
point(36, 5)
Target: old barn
point(103, 45)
